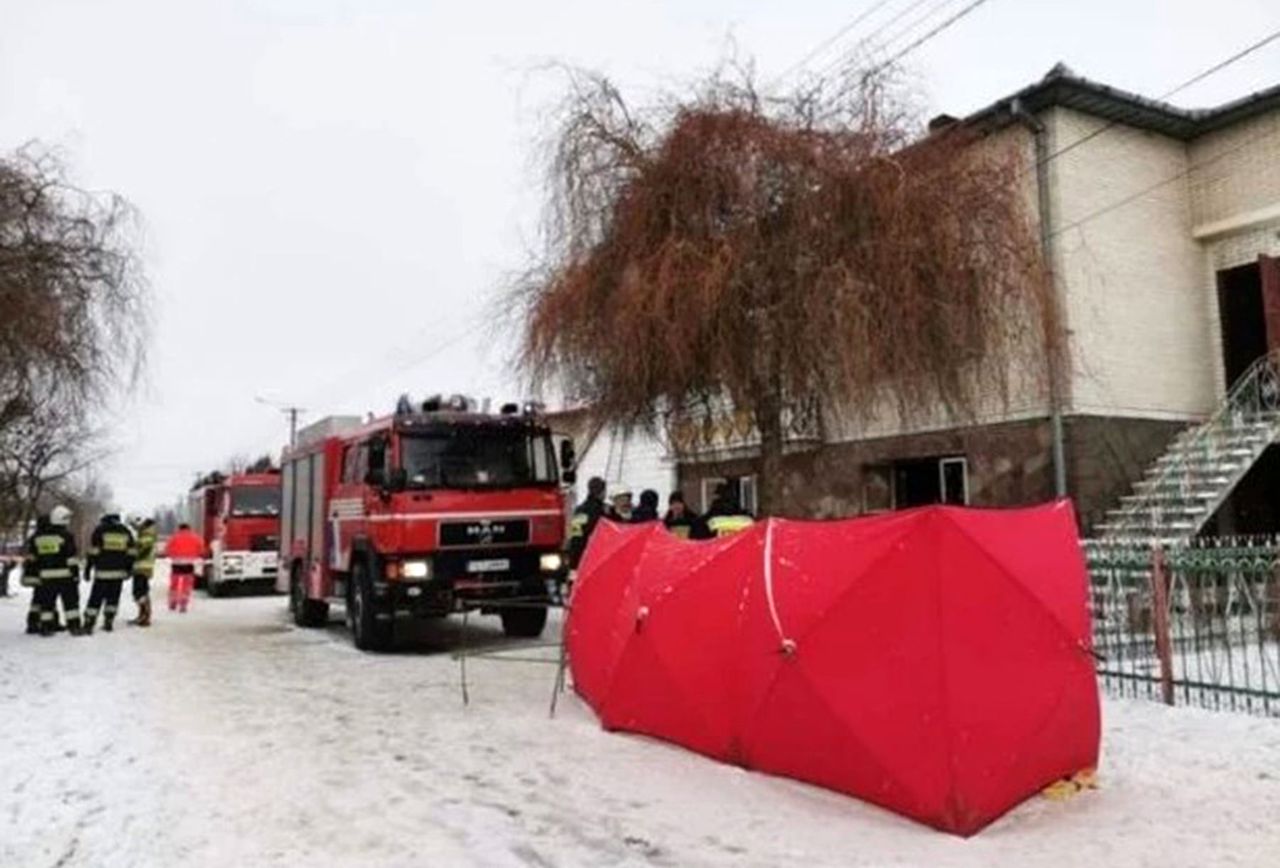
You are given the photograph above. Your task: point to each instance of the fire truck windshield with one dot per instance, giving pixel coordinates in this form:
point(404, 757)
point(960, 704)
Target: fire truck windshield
point(483, 458)
point(255, 500)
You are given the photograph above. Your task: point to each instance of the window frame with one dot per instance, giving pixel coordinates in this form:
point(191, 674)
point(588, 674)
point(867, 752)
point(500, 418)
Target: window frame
point(963, 462)
point(748, 491)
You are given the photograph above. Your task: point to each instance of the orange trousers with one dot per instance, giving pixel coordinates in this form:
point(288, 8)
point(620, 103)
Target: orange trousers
point(180, 585)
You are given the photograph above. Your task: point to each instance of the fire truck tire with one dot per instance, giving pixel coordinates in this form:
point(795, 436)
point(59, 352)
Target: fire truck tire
point(367, 632)
point(306, 612)
point(525, 623)
point(215, 589)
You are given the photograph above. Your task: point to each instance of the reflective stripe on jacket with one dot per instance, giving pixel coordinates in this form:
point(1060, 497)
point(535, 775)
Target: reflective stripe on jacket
point(146, 563)
point(51, 554)
point(723, 525)
point(112, 551)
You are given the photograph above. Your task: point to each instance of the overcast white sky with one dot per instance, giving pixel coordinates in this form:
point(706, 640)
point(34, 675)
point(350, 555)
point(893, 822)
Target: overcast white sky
point(333, 190)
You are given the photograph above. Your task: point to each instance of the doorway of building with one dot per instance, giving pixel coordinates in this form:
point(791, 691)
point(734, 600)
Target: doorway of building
point(1252, 507)
point(1243, 317)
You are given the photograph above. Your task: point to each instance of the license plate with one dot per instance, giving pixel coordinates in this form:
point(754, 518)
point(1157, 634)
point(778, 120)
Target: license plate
point(496, 566)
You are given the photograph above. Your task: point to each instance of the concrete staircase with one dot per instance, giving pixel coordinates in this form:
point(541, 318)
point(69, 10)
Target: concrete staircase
point(1186, 485)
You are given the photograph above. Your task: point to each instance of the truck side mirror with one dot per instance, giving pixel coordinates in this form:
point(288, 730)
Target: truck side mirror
point(377, 477)
point(569, 477)
point(568, 458)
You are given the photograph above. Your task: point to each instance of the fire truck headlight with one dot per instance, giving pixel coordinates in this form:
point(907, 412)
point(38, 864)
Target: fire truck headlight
point(232, 564)
point(416, 570)
point(552, 562)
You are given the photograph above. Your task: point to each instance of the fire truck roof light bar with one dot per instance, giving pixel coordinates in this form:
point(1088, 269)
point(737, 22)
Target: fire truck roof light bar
point(458, 403)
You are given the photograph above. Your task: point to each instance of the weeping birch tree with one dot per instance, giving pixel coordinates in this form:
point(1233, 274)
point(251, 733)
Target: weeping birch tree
point(728, 251)
point(73, 324)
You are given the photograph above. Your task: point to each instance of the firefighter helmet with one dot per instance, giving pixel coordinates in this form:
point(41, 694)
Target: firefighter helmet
point(60, 516)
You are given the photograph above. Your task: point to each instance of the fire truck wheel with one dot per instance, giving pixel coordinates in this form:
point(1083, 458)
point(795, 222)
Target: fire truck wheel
point(306, 613)
point(215, 589)
point(525, 623)
point(368, 633)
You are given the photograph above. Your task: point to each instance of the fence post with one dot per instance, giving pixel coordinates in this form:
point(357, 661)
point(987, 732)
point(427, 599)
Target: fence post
point(1272, 601)
point(1160, 623)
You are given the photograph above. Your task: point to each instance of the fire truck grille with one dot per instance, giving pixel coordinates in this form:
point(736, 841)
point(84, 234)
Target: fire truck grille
point(264, 542)
point(485, 532)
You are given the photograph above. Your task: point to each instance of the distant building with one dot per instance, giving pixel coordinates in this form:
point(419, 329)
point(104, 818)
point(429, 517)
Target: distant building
point(1162, 228)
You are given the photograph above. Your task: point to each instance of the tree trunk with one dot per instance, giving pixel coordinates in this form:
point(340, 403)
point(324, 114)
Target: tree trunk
point(769, 482)
point(769, 407)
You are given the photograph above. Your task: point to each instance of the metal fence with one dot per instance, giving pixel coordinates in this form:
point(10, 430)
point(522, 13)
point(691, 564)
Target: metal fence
point(1191, 625)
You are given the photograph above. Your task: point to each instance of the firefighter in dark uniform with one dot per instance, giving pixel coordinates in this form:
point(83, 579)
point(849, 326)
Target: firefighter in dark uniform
point(585, 518)
point(143, 568)
point(112, 551)
point(683, 521)
point(52, 560)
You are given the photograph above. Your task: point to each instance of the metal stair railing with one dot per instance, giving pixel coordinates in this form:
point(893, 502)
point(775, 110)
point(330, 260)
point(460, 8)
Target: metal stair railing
point(1254, 399)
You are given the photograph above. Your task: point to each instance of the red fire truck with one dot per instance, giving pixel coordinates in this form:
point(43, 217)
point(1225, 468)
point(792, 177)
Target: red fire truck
point(434, 509)
point(239, 518)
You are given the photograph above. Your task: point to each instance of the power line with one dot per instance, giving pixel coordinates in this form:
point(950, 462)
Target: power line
point(1195, 79)
point(440, 348)
point(829, 41)
point(913, 25)
point(368, 371)
point(1133, 197)
point(945, 25)
point(885, 25)
point(290, 411)
point(1218, 67)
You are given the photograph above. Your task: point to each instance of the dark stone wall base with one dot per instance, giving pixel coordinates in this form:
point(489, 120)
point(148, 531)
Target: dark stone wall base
point(1009, 464)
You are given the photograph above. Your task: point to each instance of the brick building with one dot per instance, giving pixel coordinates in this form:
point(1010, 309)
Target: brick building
point(1160, 225)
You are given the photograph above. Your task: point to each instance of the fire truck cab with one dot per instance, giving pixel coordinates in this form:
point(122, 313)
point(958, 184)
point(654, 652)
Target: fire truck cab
point(239, 517)
point(435, 509)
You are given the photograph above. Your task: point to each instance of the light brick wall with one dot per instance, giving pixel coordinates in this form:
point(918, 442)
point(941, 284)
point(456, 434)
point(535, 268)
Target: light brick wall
point(1236, 171)
point(1138, 288)
point(1132, 278)
point(1234, 182)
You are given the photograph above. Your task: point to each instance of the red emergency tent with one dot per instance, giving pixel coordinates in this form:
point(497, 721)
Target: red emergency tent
point(936, 662)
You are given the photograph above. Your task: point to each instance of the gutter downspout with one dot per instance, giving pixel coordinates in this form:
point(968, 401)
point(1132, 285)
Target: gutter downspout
point(1042, 153)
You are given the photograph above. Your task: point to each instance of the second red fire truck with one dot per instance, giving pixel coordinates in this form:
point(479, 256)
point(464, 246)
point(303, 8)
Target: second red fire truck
point(239, 517)
point(434, 509)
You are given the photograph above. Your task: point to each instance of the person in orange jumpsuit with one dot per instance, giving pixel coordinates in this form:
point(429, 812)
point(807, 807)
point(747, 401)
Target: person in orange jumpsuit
point(185, 551)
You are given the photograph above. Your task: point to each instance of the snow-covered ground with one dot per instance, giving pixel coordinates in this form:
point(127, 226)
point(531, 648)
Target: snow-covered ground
point(227, 737)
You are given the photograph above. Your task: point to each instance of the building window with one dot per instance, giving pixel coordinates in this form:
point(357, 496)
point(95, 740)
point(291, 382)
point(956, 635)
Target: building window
point(743, 486)
point(924, 481)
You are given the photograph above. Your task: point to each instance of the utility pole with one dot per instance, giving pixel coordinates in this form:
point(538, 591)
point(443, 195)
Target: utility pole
point(288, 410)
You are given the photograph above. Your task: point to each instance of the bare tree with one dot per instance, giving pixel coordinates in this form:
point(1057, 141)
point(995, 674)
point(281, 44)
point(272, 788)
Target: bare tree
point(725, 251)
point(167, 518)
point(74, 325)
point(88, 498)
point(40, 455)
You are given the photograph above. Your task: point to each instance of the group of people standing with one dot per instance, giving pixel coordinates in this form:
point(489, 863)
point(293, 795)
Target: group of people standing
point(53, 567)
point(723, 517)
